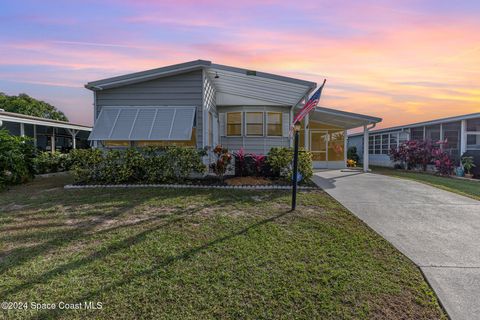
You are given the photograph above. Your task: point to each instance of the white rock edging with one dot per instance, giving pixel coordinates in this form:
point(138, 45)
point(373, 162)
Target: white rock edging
point(184, 186)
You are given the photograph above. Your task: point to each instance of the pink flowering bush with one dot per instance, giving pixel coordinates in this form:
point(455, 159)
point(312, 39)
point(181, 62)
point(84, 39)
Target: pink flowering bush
point(418, 153)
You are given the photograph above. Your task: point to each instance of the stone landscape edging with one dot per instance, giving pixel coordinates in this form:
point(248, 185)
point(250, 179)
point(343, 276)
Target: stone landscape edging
point(184, 186)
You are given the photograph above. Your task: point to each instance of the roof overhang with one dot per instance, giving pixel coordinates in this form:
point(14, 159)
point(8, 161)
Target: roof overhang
point(142, 76)
point(260, 86)
point(21, 118)
point(241, 83)
point(342, 119)
point(424, 123)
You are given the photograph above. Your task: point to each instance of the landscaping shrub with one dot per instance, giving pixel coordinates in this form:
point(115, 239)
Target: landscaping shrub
point(16, 159)
point(240, 163)
point(443, 163)
point(415, 153)
point(280, 161)
point(222, 162)
point(352, 154)
point(48, 162)
point(149, 165)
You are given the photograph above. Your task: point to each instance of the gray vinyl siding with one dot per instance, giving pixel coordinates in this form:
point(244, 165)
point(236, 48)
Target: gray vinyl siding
point(178, 90)
point(259, 145)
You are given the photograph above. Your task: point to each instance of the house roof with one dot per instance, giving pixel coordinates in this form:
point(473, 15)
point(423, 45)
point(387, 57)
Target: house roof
point(343, 119)
point(22, 118)
point(424, 123)
point(227, 80)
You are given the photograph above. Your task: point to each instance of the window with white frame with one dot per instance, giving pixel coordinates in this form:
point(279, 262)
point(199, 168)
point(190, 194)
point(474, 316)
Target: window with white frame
point(383, 143)
point(254, 123)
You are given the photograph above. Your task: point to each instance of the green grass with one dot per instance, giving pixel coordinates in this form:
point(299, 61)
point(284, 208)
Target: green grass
point(464, 187)
point(195, 254)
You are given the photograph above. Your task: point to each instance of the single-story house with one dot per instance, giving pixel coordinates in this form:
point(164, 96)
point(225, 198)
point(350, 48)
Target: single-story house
point(462, 134)
point(47, 134)
point(202, 104)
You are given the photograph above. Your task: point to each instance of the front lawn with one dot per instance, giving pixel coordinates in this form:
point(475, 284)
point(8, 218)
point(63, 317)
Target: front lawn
point(194, 254)
point(464, 187)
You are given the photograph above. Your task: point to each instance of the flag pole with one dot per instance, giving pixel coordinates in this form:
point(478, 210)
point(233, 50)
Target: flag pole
point(309, 106)
point(295, 168)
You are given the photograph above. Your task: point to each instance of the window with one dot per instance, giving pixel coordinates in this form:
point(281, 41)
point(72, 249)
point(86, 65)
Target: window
point(234, 124)
point(254, 122)
point(432, 133)
point(416, 133)
point(274, 124)
point(393, 140)
point(451, 133)
point(371, 146)
point(473, 124)
point(473, 141)
point(384, 143)
point(378, 139)
point(336, 146)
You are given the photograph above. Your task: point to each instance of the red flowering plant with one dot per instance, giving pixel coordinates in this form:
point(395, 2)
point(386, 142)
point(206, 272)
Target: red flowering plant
point(443, 163)
point(240, 162)
point(258, 162)
point(222, 162)
point(415, 153)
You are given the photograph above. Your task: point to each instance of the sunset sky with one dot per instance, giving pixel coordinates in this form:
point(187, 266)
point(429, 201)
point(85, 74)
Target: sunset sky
point(405, 61)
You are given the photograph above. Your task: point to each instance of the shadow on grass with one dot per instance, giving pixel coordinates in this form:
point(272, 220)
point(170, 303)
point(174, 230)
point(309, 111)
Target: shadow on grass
point(161, 264)
point(126, 201)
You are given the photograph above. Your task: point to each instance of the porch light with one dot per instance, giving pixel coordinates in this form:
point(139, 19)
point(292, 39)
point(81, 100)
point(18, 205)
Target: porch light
point(216, 75)
point(297, 126)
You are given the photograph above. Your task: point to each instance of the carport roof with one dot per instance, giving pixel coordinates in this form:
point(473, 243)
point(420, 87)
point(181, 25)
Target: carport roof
point(343, 119)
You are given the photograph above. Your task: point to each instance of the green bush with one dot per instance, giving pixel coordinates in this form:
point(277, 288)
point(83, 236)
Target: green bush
point(352, 154)
point(16, 159)
point(148, 165)
point(280, 161)
point(48, 162)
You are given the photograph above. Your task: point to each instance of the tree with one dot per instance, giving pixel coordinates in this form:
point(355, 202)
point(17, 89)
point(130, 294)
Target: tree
point(25, 104)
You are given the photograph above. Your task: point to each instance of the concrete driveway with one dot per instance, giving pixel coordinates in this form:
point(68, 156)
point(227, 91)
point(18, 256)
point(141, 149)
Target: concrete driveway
point(436, 229)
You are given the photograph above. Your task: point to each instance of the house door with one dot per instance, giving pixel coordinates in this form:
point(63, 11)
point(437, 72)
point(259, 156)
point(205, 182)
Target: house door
point(318, 145)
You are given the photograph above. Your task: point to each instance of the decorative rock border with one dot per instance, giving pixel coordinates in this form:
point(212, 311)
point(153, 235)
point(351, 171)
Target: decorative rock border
point(185, 186)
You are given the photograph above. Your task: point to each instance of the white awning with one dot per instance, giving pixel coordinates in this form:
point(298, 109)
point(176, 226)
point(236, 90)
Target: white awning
point(144, 123)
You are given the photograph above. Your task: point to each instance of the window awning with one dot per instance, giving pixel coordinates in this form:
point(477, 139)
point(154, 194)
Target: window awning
point(144, 123)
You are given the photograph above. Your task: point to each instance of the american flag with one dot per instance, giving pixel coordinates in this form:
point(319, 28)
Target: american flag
point(309, 106)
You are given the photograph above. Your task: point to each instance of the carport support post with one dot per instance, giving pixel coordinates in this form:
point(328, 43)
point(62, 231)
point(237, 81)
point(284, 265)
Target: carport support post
point(365, 148)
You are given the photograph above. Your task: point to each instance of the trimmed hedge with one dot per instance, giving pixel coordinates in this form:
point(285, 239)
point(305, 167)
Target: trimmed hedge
point(280, 162)
point(48, 162)
point(16, 159)
point(147, 165)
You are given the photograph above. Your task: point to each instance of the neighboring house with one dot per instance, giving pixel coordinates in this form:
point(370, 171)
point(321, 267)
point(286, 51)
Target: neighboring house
point(202, 104)
point(462, 134)
point(47, 134)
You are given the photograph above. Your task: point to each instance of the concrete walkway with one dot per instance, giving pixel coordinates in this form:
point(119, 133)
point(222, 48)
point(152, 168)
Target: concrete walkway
point(438, 230)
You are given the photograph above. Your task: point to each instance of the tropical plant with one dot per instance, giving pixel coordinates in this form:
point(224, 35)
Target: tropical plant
point(258, 163)
point(222, 161)
point(16, 159)
point(443, 163)
point(280, 161)
point(415, 153)
point(468, 164)
point(240, 162)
